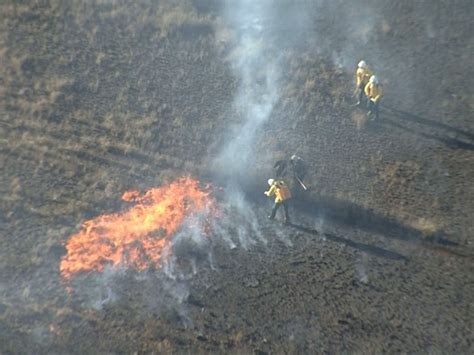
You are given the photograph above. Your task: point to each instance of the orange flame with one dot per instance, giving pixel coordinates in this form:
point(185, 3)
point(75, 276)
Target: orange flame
point(135, 238)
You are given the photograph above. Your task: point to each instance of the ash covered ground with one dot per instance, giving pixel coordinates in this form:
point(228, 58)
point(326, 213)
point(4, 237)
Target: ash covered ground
point(101, 97)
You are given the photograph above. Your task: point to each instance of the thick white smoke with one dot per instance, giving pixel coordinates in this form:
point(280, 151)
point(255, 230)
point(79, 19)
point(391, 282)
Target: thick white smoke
point(256, 67)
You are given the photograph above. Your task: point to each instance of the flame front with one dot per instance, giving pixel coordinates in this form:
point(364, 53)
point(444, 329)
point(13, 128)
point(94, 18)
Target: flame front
point(135, 238)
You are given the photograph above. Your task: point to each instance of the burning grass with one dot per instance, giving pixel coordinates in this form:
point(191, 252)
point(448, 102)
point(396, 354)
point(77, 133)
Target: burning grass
point(103, 103)
point(139, 237)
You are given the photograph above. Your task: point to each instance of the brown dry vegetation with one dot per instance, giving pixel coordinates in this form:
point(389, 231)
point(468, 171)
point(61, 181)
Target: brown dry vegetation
point(99, 97)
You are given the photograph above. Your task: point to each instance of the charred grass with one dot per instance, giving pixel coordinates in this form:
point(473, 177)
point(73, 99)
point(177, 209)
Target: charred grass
point(128, 95)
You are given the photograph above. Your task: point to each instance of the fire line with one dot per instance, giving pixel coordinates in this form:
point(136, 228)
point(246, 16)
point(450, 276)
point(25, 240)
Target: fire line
point(137, 237)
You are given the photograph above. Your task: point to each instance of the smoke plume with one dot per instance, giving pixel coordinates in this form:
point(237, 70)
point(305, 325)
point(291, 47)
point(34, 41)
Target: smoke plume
point(255, 63)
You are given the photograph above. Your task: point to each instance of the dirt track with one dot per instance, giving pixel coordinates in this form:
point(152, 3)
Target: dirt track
point(97, 99)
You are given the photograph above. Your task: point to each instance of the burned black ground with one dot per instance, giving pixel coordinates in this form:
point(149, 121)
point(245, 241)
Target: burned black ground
point(100, 98)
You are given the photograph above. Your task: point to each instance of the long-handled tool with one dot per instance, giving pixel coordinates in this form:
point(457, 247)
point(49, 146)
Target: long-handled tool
point(301, 183)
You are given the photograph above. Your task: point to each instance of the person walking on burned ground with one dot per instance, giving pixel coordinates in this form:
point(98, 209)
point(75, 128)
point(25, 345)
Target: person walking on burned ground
point(363, 74)
point(280, 190)
point(298, 169)
point(373, 91)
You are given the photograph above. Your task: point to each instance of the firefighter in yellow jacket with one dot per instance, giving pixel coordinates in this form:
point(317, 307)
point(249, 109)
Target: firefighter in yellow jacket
point(363, 74)
point(280, 190)
point(374, 93)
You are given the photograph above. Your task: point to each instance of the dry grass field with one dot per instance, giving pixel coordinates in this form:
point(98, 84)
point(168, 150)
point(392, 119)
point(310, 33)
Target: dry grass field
point(102, 97)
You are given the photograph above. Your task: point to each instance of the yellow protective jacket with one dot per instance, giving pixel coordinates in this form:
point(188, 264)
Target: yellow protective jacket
point(362, 76)
point(374, 92)
point(280, 190)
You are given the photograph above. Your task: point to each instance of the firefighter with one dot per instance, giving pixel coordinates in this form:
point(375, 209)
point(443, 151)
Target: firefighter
point(282, 195)
point(363, 74)
point(374, 93)
point(299, 170)
point(295, 166)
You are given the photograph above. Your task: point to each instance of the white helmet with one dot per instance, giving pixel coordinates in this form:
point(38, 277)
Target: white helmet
point(374, 80)
point(293, 157)
point(271, 181)
point(362, 64)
